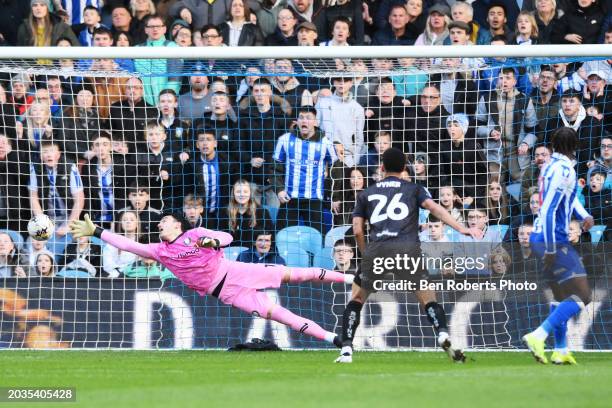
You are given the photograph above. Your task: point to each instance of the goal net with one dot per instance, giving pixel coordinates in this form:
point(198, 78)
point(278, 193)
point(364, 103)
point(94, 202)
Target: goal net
point(276, 151)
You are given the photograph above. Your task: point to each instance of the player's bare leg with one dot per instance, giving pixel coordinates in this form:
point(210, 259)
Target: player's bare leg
point(437, 317)
point(299, 275)
point(350, 322)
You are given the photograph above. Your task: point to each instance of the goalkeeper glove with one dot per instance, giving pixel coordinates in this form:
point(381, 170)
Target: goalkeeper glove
point(80, 228)
point(205, 242)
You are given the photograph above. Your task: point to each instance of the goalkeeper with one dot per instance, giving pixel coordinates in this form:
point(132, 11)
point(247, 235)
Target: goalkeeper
point(196, 258)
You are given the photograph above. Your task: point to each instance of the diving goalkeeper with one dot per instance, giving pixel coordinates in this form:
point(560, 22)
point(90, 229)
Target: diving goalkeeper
point(195, 256)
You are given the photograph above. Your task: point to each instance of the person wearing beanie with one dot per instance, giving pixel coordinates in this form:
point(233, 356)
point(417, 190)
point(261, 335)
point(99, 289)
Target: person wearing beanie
point(41, 28)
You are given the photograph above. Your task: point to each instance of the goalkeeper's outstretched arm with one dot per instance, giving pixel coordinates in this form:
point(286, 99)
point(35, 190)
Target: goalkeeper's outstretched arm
point(87, 228)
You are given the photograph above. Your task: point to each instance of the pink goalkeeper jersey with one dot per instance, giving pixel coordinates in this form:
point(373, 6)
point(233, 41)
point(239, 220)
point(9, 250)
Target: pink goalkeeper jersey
point(198, 268)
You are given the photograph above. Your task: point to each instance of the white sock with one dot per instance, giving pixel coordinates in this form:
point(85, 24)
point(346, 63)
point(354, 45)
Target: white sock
point(563, 350)
point(540, 333)
point(348, 278)
point(346, 350)
point(329, 337)
point(442, 337)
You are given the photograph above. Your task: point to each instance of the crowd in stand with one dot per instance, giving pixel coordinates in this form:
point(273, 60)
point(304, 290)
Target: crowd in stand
point(266, 149)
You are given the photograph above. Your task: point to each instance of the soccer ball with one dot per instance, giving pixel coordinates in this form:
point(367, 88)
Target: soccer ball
point(40, 227)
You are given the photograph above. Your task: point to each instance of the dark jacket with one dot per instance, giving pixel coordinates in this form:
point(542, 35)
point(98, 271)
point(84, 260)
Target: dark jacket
point(425, 131)
point(545, 31)
point(586, 22)
point(351, 10)
point(227, 135)
point(59, 30)
point(277, 38)
point(386, 36)
point(244, 235)
point(387, 117)
point(252, 256)
point(14, 174)
point(91, 184)
point(79, 129)
point(465, 167)
point(249, 36)
point(130, 124)
point(92, 255)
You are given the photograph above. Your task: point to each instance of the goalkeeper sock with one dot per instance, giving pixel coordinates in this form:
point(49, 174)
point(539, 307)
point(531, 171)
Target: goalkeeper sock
point(560, 333)
point(299, 275)
point(436, 316)
point(301, 324)
point(350, 322)
point(562, 313)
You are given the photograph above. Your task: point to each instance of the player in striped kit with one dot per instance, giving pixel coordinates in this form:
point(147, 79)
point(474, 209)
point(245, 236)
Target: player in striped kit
point(195, 256)
point(561, 263)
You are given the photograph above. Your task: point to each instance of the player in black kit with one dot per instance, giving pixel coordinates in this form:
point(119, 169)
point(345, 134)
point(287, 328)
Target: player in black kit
point(391, 207)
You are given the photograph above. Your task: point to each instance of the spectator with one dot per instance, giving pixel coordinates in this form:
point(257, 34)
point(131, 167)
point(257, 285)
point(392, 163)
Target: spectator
point(177, 130)
point(197, 13)
point(599, 198)
point(525, 253)
point(246, 219)
point(14, 169)
point(81, 124)
point(526, 30)
point(285, 32)
point(397, 32)
point(435, 230)
point(193, 208)
point(373, 158)
point(594, 96)
point(450, 200)
point(138, 196)
point(45, 265)
point(343, 120)
point(345, 194)
point(195, 103)
point(436, 28)
point(30, 250)
point(508, 121)
point(287, 85)
point(13, 11)
point(500, 261)
point(567, 79)
point(496, 19)
point(260, 124)
point(114, 259)
point(602, 160)
point(541, 156)
point(19, 98)
point(167, 71)
point(85, 30)
point(239, 31)
point(545, 97)
point(147, 268)
point(385, 112)
point(340, 32)
point(300, 195)
point(141, 10)
point(305, 10)
point(580, 24)
point(36, 129)
point(11, 261)
point(267, 12)
point(56, 185)
point(426, 174)
point(104, 178)
point(497, 202)
point(546, 14)
point(262, 252)
point(411, 81)
point(122, 20)
point(129, 116)
point(464, 161)
point(350, 12)
point(459, 33)
point(344, 256)
point(307, 34)
point(61, 98)
point(83, 256)
point(528, 214)
point(182, 35)
point(589, 129)
point(463, 11)
point(42, 28)
point(224, 127)
point(210, 176)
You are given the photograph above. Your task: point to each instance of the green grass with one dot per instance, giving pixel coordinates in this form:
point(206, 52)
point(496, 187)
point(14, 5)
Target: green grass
point(308, 379)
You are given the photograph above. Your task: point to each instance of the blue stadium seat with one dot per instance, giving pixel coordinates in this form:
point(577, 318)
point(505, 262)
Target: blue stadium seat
point(293, 254)
point(597, 232)
point(453, 236)
point(515, 191)
point(16, 237)
point(324, 258)
point(307, 238)
point(97, 241)
point(72, 273)
point(232, 252)
point(499, 231)
point(273, 211)
point(335, 234)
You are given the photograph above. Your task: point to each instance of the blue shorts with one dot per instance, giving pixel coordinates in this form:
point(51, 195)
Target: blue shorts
point(568, 264)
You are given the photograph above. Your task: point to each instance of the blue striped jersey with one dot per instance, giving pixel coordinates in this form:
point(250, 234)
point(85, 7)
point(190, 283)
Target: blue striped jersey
point(74, 8)
point(305, 162)
point(558, 202)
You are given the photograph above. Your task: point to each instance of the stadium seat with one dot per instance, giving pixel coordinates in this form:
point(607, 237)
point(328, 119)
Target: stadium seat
point(72, 273)
point(273, 211)
point(453, 236)
point(16, 237)
point(96, 241)
point(335, 234)
point(597, 232)
point(324, 258)
point(293, 254)
point(231, 253)
point(307, 238)
point(498, 231)
point(515, 191)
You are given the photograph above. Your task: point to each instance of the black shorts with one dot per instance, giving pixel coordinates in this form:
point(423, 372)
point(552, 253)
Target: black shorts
point(390, 261)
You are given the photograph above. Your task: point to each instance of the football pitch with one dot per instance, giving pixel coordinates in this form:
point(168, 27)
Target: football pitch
point(308, 379)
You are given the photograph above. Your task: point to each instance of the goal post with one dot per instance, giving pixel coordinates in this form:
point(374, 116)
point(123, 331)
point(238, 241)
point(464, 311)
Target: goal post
point(217, 133)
